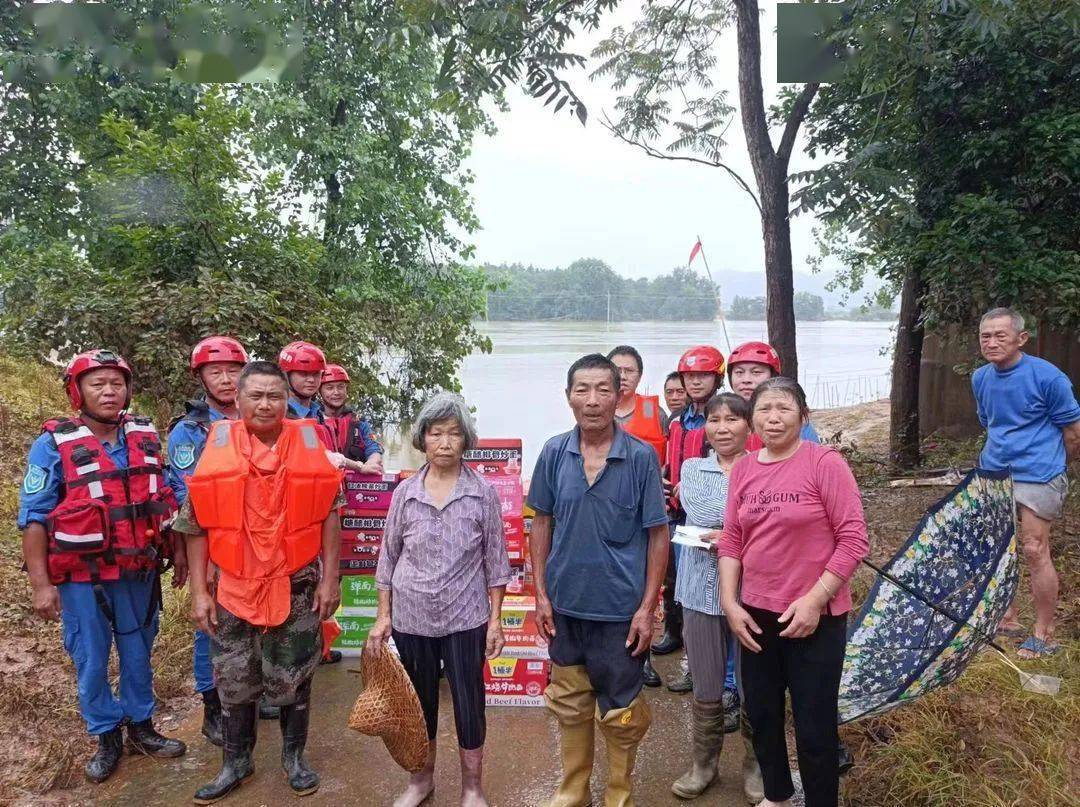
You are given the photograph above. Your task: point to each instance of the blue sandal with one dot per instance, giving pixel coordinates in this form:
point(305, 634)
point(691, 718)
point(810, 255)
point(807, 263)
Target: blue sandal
point(1039, 648)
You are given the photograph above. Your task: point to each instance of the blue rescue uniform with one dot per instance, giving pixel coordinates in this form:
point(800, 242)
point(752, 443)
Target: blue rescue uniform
point(187, 438)
point(88, 635)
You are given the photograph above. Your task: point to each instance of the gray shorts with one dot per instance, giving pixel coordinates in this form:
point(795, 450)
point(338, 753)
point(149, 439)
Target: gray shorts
point(1045, 499)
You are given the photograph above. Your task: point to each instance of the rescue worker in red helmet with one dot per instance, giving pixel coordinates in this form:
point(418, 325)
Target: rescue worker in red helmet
point(215, 363)
point(352, 433)
point(92, 507)
point(702, 371)
point(750, 364)
point(303, 364)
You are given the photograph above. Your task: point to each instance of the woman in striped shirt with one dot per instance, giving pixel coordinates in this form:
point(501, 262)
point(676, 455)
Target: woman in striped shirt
point(703, 494)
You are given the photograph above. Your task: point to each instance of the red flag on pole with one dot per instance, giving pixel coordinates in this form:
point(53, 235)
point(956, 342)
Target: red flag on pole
point(694, 252)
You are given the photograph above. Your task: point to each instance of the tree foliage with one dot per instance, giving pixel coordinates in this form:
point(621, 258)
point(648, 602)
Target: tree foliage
point(956, 140)
point(333, 207)
point(585, 290)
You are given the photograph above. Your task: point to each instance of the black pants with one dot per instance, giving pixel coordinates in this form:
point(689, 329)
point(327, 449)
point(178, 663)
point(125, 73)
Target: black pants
point(810, 669)
point(599, 647)
point(462, 657)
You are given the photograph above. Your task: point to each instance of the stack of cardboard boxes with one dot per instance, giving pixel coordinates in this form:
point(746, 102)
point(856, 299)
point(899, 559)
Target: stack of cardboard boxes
point(367, 501)
point(520, 675)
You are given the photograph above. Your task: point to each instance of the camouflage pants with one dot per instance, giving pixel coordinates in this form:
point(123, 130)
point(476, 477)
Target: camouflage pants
point(249, 660)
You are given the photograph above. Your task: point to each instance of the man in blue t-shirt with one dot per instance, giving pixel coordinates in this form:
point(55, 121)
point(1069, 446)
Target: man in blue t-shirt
point(1032, 422)
point(599, 547)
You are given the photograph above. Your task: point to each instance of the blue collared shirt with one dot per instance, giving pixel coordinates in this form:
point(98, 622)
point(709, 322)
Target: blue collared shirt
point(691, 419)
point(43, 483)
point(314, 410)
point(187, 439)
point(600, 539)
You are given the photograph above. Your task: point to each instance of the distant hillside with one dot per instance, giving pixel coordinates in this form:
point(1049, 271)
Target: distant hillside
point(752, 284)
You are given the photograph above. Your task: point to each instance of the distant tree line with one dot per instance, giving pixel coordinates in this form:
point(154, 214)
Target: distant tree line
point(808, 308)
point(586, 288)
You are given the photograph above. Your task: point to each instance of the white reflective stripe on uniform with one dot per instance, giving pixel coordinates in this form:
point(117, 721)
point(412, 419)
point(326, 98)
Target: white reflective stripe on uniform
point(153, 483)
point(132, 426)
point(80, 433)
point(311, 440)
point(86, 469)
point(96, 491)
point(151, 460)
point(88, 538)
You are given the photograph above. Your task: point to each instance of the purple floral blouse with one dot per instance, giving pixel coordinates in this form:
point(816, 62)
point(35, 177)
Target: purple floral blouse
point(440, 563)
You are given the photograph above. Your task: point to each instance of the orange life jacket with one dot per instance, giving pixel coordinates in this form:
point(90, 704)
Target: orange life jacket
point(645, 423)
point(295, 498)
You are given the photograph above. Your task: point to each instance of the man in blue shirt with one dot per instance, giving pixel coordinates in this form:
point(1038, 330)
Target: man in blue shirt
point(99, 573)
point(1032, 422)
point(599, 547)
point(216, 363)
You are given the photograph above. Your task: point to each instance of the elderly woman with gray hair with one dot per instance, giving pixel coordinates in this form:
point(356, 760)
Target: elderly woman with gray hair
point(442, 573)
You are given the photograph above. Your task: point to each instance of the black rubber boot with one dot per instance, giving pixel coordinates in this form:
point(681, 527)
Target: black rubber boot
point(847, 762)
point(143, 738)
point(649, 676)
point(107, 758)
point(732, 711)
point(333, 657)
point(672, 638)
point(211, 721)
point(268, 711)
point(294, 733)
point(238, 723)
point(684, 682)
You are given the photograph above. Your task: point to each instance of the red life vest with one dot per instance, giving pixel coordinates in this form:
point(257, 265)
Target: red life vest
point(682, 443)
point(644, 423)
point(109, 519)
point(339, 426)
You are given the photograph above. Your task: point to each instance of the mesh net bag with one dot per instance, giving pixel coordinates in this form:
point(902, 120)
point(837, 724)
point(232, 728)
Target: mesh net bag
point(388, 708)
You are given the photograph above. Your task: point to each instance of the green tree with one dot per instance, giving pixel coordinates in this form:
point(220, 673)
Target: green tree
point(747, 308)
point(671, 52)
point(955, 137)
point(809, 307)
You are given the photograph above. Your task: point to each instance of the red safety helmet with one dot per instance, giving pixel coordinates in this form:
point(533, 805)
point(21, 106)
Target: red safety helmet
point(334, 372)
point(217, 348)
point(302, 357)
point(92, 360)
point(702, 359)
point(758, 352)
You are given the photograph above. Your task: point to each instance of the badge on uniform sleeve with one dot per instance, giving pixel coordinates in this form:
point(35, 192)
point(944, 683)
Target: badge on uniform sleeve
point(184, 456)
point(35, 479)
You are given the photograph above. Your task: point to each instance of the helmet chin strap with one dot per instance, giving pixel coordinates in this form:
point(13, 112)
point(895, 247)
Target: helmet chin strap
point(86, 413)
point(215, 400)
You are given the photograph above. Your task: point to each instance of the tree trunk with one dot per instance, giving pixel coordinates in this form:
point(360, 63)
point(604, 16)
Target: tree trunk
point(332, 229)
point(907, 360)
point(770, 174)
point(779, 280)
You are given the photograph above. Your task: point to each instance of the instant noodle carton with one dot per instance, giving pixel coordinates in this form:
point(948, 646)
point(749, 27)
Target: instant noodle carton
point(514, 535)
point(515, 681)
point(356, 624)
point(495, 455)
point(358, 591)
point(370, 491)
point(361, 538)
point(518, 617)
point(511, 498)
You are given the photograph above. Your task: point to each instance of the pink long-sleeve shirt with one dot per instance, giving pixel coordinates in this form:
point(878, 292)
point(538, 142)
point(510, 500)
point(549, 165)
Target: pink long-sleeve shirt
point(790, 521)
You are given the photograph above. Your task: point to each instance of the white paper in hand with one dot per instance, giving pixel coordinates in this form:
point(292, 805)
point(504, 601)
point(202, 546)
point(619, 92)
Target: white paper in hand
point(692, 536)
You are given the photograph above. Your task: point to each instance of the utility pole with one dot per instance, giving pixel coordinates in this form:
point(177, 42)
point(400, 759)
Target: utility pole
point(609, 308)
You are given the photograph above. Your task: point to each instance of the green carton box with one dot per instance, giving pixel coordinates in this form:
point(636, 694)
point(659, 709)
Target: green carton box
point(355, 628)
point(358, 591)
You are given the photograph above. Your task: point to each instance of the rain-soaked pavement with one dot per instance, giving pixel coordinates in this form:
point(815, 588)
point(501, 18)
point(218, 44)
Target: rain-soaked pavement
point(521, 764)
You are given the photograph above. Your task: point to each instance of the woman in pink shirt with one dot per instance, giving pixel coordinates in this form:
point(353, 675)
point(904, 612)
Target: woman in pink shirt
point(794, 532)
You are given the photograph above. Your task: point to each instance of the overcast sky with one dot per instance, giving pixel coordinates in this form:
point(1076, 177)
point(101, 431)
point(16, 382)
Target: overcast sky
point(549, 191)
